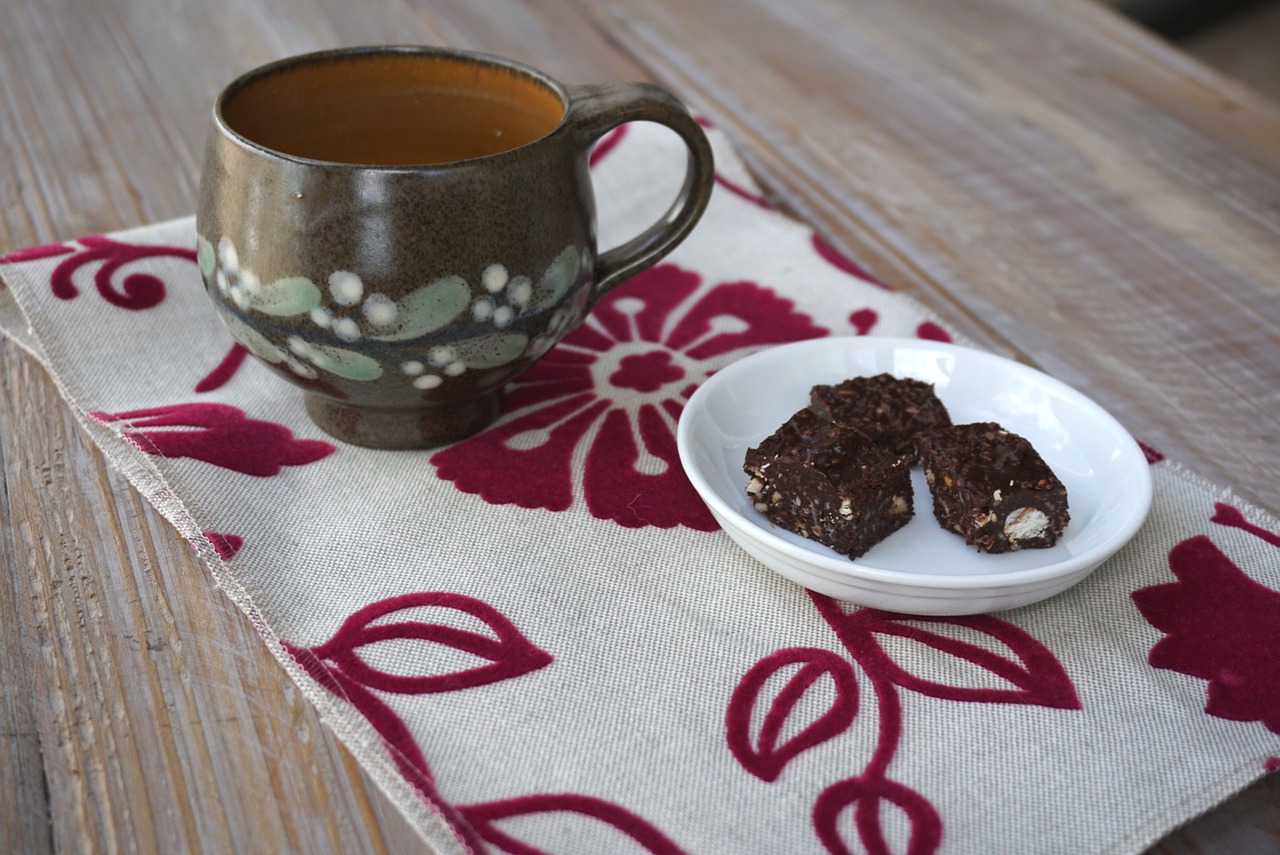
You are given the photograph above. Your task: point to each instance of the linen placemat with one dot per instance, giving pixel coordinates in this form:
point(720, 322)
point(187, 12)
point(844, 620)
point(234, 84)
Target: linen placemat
point(537, 640)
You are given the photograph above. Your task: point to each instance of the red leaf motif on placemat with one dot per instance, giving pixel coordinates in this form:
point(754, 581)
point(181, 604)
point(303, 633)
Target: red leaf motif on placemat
point(218, 434)
point(609, 142)
point(743, 192)
point(840, 261)
point(617, 385)
point(31, 253)
point(338, 666)
point(395, 735)
point(1224, 514)
point(606, 144)
point(500, 651)
point(484, 819)
point(136, 291)
point(763, 756)
point(225, 370)
point(931, 331)
point(1153, 456)
point(1031, 669)
point(226, 545)
point(1220, 626)
point(869, 797)
point(863, 320)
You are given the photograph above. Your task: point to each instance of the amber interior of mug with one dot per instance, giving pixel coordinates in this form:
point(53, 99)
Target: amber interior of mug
point(392, 108)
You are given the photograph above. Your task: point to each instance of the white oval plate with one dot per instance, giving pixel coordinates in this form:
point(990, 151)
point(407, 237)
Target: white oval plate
point(922, 568)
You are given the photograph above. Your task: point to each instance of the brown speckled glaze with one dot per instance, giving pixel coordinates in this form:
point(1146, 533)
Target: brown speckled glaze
point(400, 231)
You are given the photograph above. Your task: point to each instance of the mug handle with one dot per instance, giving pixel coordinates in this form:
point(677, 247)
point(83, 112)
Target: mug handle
point(595, 109)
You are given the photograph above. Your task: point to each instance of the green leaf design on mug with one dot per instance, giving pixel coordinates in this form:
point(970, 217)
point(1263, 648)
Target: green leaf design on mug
point(562, 273)
point(286, 297)
point(206, 257)
point(428, 309)
point(490, 351)
point(344, 363)
point(253, 341)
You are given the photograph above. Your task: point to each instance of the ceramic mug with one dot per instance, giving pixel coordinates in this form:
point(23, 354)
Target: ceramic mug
point(400, 231)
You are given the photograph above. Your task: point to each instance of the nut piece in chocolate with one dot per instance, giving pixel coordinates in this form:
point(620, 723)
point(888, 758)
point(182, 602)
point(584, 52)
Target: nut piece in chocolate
point(888, 409)
point(993, 488)
point(830, 484)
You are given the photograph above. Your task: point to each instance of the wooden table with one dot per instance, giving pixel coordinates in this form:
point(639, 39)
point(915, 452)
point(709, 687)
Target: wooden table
point(1055, 183)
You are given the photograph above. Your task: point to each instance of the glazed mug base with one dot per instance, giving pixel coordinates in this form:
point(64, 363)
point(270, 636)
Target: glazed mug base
point(404, 429)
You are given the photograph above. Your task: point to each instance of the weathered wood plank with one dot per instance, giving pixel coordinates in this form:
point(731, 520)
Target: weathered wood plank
point(24, 811)
point(159, 716)
point(1058, 184)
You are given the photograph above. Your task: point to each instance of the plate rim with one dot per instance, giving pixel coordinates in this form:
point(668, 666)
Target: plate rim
point(852, 568)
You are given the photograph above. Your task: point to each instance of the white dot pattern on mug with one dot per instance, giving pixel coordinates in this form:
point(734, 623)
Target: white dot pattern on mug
point(354, 313)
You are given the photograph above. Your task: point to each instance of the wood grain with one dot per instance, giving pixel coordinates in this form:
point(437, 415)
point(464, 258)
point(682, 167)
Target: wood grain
point(1054, 182)
point(154, 718)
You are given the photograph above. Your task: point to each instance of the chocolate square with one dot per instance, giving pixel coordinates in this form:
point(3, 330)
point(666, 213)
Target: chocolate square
point(890, 410)
point(991, 486)
point(829, 483)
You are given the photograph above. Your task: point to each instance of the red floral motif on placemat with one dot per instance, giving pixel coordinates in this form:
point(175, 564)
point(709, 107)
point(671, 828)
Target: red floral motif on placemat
point(224, 370)
point(31, 253)
point(218, 434)
point(931, 331)
point(763, 707)
point(484, 819)
point(340, 665)
point(742, 192)
point(863, 320)
point(428, 621)
point(615, 387)
point(225, 544)
point(1220, 625)
point(1153, 456)
point(135, 291)
point(606, 144)
point(840, 261)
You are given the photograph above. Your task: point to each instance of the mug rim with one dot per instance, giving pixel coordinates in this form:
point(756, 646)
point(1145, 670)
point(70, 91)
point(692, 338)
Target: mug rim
point(330, 54)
